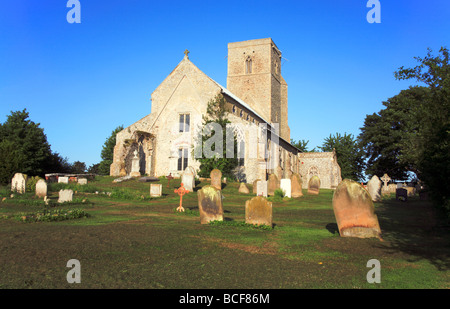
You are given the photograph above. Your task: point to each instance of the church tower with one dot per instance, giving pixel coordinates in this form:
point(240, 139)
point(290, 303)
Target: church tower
point(254, 75)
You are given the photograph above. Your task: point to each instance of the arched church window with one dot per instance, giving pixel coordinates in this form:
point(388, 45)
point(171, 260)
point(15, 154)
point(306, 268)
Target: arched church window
point(234, 109)
point(241, 114)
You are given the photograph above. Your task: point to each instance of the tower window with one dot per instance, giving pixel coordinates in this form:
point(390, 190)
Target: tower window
point(185, 122)
point(248, 65)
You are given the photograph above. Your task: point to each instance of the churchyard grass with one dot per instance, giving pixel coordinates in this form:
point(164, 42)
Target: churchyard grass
point(132, 242)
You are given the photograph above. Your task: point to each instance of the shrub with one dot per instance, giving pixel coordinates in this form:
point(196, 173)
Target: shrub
point(52, 215)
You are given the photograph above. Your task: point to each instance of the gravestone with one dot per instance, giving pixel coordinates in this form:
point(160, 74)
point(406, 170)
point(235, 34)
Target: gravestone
point(385, 179)
point(401, 194)
point(354, 211)
point(155, 189)
point(41, 188)
point(255, 185)
point(19, 183)
point(210, 204)
point(82, 181)
point(272, 184)
point(188, 180)
point(258, 211)
point(261, 188)
point(392, 188)
point(314, 185)
point(216, 179)
point(374, 188)
point(135, 165)
point(65, 196)
point(63, 179)
point(243, 188)
point(296, 185)
point(285, 185)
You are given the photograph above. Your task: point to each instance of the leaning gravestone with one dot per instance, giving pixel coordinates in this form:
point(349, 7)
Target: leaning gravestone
point(261, 188)
point(374, 188)
point(19, 183)
point(155, 190)
point(272, 184)
point(210, 204)
point(285, 185)
point(188, 180)
point(243, 188)
point(65, 196)
point(401, 194)
point(63, 179)
point(216, 179)
point(41, 188)
point(314, 185)
point(296, 185)
point(354, 211)
point(258, 211)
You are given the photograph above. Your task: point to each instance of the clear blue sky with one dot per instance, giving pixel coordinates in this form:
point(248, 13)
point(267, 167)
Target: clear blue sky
point(81, 81)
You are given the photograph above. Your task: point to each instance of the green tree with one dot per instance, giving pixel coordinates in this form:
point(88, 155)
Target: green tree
point(389, 137)
point(302, 145)
point(107, 153)
point(78, 167)
point(23, 147)
point(349, 154)
point(432, 142)
point(216, 113)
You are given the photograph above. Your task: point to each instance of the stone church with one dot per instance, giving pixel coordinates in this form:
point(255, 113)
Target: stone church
point(257, 104)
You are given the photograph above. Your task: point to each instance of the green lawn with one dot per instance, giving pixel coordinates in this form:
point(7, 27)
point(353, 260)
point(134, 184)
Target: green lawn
point(131, 240)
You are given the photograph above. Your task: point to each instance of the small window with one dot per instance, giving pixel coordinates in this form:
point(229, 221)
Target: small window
point(248, 65)
point(182, 159)
point(184, 122)
point(248, 117)
point(234, 109)
point(241, 114)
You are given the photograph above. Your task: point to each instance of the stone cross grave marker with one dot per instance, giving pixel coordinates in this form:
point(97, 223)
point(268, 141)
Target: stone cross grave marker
point(181, 191)
point(385, 179)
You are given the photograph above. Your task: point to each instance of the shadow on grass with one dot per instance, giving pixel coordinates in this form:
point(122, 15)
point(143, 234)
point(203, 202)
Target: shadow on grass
point(414, 228)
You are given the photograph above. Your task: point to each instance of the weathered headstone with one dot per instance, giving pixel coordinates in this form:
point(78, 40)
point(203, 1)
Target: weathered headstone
point(210, 204)
point(243, 188)
point(216, 179)
point(374, 188)
point(285, 185)
point(392, 188)
point(188, 180)
point(155, 189)
point(41, 188)
point(272, 184)
point(261, 188)
point(258, 211)
point(354, 211)
point(255, 185)
point(314, 185)
point(296, 185)
point(63, 179)
point(82, 181)
point(19, 183)
point(65, 196)
point(135, 165)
